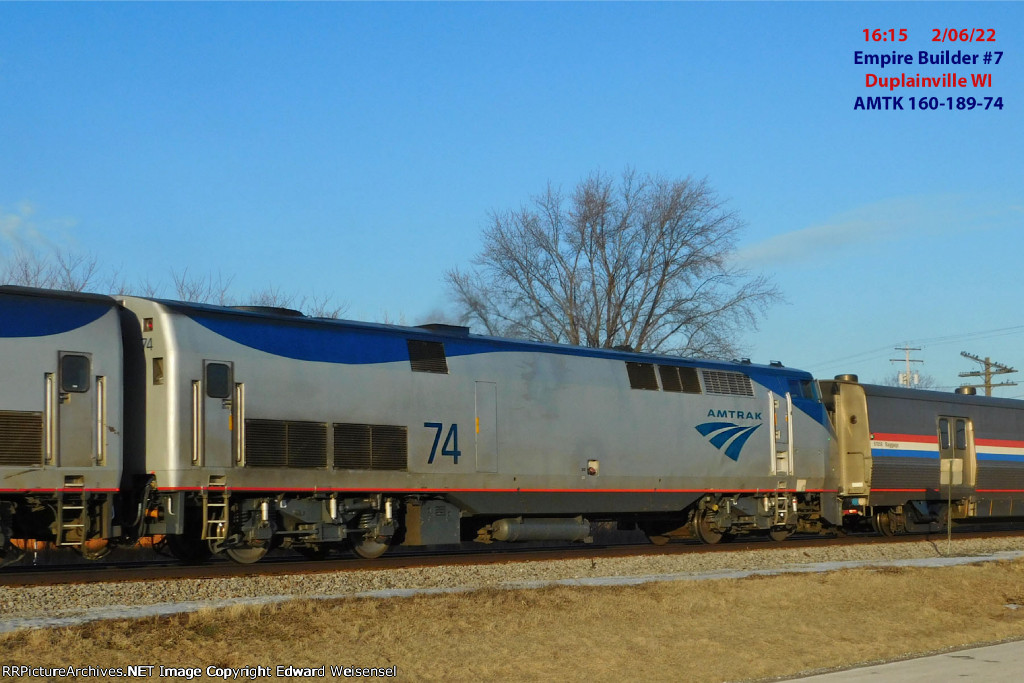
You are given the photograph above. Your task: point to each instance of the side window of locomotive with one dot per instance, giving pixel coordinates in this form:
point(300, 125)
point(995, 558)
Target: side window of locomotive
point(218, 380)
point(961, 435)
point(943, 434)
point(74, 373)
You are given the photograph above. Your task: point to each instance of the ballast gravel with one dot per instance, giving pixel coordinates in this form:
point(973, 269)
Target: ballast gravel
point(47, 606)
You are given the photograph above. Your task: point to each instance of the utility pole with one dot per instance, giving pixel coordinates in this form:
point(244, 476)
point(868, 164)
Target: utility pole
point(906, 379)
point(991, 368)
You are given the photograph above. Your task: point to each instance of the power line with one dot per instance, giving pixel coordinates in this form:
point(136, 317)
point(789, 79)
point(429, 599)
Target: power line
point(980, 334)
point(924, 341)
point(991, 368)
point(906, 379)
point(863, 355)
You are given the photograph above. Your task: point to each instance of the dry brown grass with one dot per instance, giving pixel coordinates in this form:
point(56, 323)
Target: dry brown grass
point(683, 631)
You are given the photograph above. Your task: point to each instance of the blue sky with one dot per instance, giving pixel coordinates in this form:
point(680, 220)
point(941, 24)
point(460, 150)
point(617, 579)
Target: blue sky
point(355, 150)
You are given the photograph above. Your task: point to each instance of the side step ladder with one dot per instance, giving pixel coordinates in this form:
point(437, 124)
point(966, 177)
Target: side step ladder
point(71, 520)
point(781, 504)
point(215, 513)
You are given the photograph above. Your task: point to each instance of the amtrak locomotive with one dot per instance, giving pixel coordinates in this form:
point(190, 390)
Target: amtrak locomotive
point(237, 430)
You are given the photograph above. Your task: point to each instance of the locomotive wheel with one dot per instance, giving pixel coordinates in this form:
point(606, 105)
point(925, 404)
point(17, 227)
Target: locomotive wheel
point(188, 549)
point(246, 555)
point(319, 551)
point(371, 548)
point(95, 550)
point(9, 554)
point(780, 534)
point(883, 523)
point(703, 531)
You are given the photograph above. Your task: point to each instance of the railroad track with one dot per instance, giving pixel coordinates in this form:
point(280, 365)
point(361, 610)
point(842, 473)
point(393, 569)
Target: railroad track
point(154, 567)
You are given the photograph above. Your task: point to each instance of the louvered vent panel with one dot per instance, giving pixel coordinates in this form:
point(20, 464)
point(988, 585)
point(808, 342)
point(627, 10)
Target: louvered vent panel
point(722, 382)
point(371, 447)
point(390, 448)
point(641, 376)
point(352, 447)
point(680, 380)
point(279, 443)
point(265, 443)
point(21, 438)
point(688, 378)
point(427, 356)
point(307, 444)
point(670, 378)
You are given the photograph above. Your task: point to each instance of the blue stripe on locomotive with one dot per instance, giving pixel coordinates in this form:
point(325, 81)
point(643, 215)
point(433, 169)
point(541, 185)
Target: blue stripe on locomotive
point(368, 343)
point(31, 316)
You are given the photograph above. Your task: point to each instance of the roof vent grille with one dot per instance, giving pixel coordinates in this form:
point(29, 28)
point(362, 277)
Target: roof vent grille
point(427, 356)
point(729, 383)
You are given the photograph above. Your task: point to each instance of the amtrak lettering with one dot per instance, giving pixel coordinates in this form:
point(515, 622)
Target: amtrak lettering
point(734, 414)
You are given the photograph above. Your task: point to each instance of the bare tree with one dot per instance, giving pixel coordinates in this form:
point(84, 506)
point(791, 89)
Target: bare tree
point(73, 271)
point(60, 269)
point(388, 318)
point(271, 296)
point(323, 306)
point(202, 289)
point(117, 284)
point(644, 262)
point(25, 268)
point(313, 305)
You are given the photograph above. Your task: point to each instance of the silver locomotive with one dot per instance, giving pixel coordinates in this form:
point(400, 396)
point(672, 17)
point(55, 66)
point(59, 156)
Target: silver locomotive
point(234, 431)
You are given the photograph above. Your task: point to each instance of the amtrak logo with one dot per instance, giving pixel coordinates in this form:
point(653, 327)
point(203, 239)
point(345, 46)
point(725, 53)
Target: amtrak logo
point(727, 436)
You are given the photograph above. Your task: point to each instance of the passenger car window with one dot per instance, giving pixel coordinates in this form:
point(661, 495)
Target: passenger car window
point(74, 373)
point(943, 434)
point(961, 435)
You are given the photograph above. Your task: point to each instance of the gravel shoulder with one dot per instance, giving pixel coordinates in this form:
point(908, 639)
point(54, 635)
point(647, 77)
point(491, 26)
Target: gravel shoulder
point(42, 606)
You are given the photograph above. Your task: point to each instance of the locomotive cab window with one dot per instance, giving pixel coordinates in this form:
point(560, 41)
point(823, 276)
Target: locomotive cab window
point(74, 373)
point(218, 380)
point(802, 388)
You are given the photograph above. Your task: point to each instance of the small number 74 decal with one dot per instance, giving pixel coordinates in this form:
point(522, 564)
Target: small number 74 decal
point(451, 442)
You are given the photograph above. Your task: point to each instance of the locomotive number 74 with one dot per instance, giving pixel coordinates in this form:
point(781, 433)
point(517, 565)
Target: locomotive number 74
point(451, 442)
